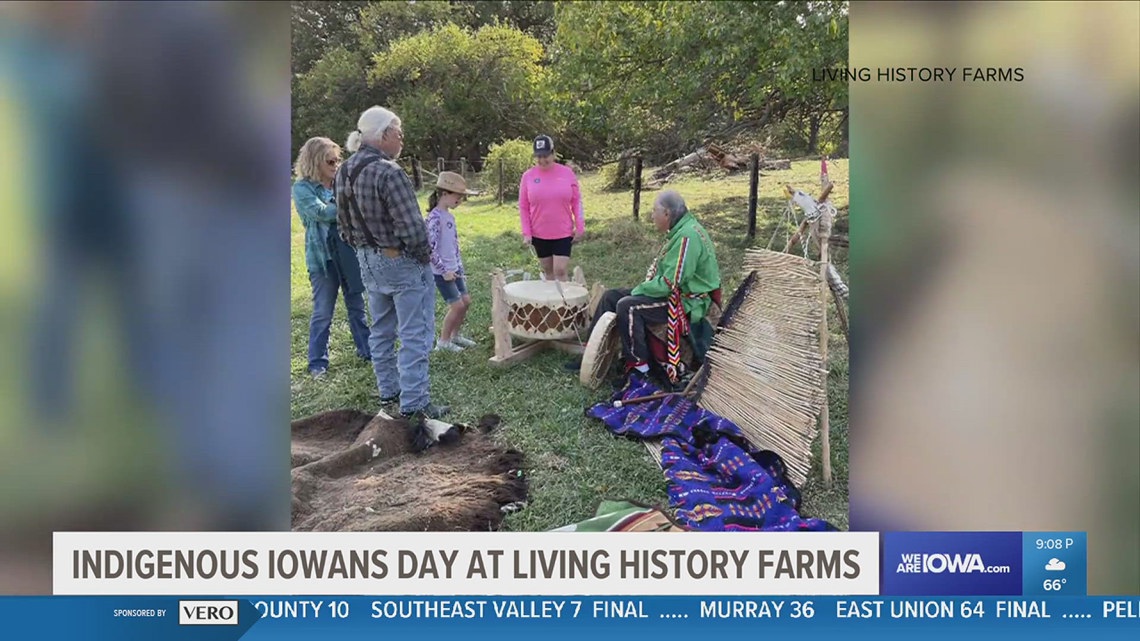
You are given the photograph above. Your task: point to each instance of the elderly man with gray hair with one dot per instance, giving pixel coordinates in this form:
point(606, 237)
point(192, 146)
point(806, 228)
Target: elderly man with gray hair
point(677, 288)
point(379, 216)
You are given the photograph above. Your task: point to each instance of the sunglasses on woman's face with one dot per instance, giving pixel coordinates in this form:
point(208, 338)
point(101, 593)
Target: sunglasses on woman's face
point(333, 162)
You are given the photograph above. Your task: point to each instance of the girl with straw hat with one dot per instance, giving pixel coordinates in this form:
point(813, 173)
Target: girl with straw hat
point(446, 263)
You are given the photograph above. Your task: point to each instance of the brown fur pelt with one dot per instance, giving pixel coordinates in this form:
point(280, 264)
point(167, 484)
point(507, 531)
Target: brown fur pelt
point(356, 472)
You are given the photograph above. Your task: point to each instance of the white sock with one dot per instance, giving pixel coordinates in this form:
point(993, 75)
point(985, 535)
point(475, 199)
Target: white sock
point(642, 368)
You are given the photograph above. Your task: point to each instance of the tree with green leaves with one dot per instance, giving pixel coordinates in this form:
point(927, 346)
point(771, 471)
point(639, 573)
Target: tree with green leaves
point(460, 91)
point(659, 77)
point(668, 76)
point(317, 27)
point(334, 43)
point(533, 18)
point(407, 56)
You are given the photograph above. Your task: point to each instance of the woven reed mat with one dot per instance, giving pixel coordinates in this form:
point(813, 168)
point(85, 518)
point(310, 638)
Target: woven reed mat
point(765, 371)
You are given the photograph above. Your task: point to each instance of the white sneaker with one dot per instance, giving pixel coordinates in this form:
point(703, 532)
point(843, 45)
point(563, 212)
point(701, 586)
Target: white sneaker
point(447, 346)
point(463, 341)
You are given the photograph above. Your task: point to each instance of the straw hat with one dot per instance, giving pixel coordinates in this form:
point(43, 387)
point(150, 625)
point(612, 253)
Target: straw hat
point(453, 182)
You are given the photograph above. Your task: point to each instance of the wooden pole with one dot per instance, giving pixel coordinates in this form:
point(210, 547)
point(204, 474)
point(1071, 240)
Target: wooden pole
point(839, 293)
point(636, 187)
point(842, 313)
point(439, 165)
point(753, 184)
point(463, 167)
point(796, 236)
point(502, 187)
point(804, 225)
point(499, 315)
point(417, 177)
point(825, 413)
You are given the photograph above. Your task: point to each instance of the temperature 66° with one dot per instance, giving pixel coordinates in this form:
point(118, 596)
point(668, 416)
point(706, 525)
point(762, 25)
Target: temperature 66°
point(1053, 585)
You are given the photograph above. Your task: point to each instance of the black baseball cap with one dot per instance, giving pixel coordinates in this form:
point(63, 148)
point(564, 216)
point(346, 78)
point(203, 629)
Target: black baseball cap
point(543, 145)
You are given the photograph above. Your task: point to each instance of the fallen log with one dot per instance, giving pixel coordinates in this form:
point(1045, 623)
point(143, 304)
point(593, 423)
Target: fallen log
point(726, 160)
point(716, 153)
point(733, 163)
point(683, 161)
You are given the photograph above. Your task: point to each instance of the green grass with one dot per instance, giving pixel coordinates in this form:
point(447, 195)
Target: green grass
point(574, 462)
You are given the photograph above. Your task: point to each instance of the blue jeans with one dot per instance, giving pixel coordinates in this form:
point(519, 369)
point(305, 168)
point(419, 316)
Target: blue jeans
point(402, 298)
point(325, 289)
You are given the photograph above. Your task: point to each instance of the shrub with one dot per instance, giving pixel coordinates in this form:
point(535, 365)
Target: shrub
point(516, 155)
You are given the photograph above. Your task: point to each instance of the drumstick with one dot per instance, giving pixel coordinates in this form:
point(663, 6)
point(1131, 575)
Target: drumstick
point(557, 283)
point(643, 399)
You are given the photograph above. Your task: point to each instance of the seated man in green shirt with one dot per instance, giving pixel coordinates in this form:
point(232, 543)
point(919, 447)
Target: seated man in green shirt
point(677, 288)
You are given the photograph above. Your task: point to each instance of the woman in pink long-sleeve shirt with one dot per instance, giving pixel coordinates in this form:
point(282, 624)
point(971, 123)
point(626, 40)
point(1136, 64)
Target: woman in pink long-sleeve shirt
point(550, 210)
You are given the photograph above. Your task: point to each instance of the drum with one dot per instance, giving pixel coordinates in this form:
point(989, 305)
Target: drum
point(601, 350)
point(546, 310)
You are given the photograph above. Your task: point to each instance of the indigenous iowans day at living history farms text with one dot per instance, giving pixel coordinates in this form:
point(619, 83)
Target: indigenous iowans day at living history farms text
point(919, 74)
point(439, 563)
point(444, 564)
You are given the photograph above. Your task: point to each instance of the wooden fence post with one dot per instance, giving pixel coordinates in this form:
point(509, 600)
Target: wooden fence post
point(463, 167)
point(417, 176)
point(439, 166)
point(636, 187)
point(502, 187)
point(825, 413)
point(753, 186)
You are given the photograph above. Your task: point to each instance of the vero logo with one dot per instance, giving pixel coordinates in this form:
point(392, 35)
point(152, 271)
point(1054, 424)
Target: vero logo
point(207, 613)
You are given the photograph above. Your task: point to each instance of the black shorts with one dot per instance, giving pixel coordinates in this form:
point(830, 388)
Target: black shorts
point(547, 248)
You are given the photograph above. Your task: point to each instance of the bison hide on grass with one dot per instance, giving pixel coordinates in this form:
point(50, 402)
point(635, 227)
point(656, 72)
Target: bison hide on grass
point(354, 472)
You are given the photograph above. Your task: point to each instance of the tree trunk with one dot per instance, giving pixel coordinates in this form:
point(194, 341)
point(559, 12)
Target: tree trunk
point(844, 137)
point(474, 158)
point(623, 178)
point(813, 134)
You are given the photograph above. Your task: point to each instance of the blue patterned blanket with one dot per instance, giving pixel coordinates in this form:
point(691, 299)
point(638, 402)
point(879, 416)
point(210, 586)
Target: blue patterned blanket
point(716, 479)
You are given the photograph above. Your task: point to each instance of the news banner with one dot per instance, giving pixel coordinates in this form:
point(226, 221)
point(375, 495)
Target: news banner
point(348, 586)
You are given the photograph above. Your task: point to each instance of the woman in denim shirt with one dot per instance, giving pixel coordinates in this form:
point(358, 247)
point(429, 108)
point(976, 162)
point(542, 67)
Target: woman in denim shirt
point(332, 264)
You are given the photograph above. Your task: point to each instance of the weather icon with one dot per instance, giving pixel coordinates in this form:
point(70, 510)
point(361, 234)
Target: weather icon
point(1055, 565)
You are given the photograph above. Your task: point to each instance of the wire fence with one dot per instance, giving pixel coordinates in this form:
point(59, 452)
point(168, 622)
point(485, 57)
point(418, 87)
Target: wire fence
point(479, 175)
point(483, 177)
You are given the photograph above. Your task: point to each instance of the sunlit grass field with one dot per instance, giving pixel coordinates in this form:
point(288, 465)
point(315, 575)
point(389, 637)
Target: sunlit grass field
point(574, 462)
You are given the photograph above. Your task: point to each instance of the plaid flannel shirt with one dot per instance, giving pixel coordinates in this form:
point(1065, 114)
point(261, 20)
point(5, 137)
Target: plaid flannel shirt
point(389, 211)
